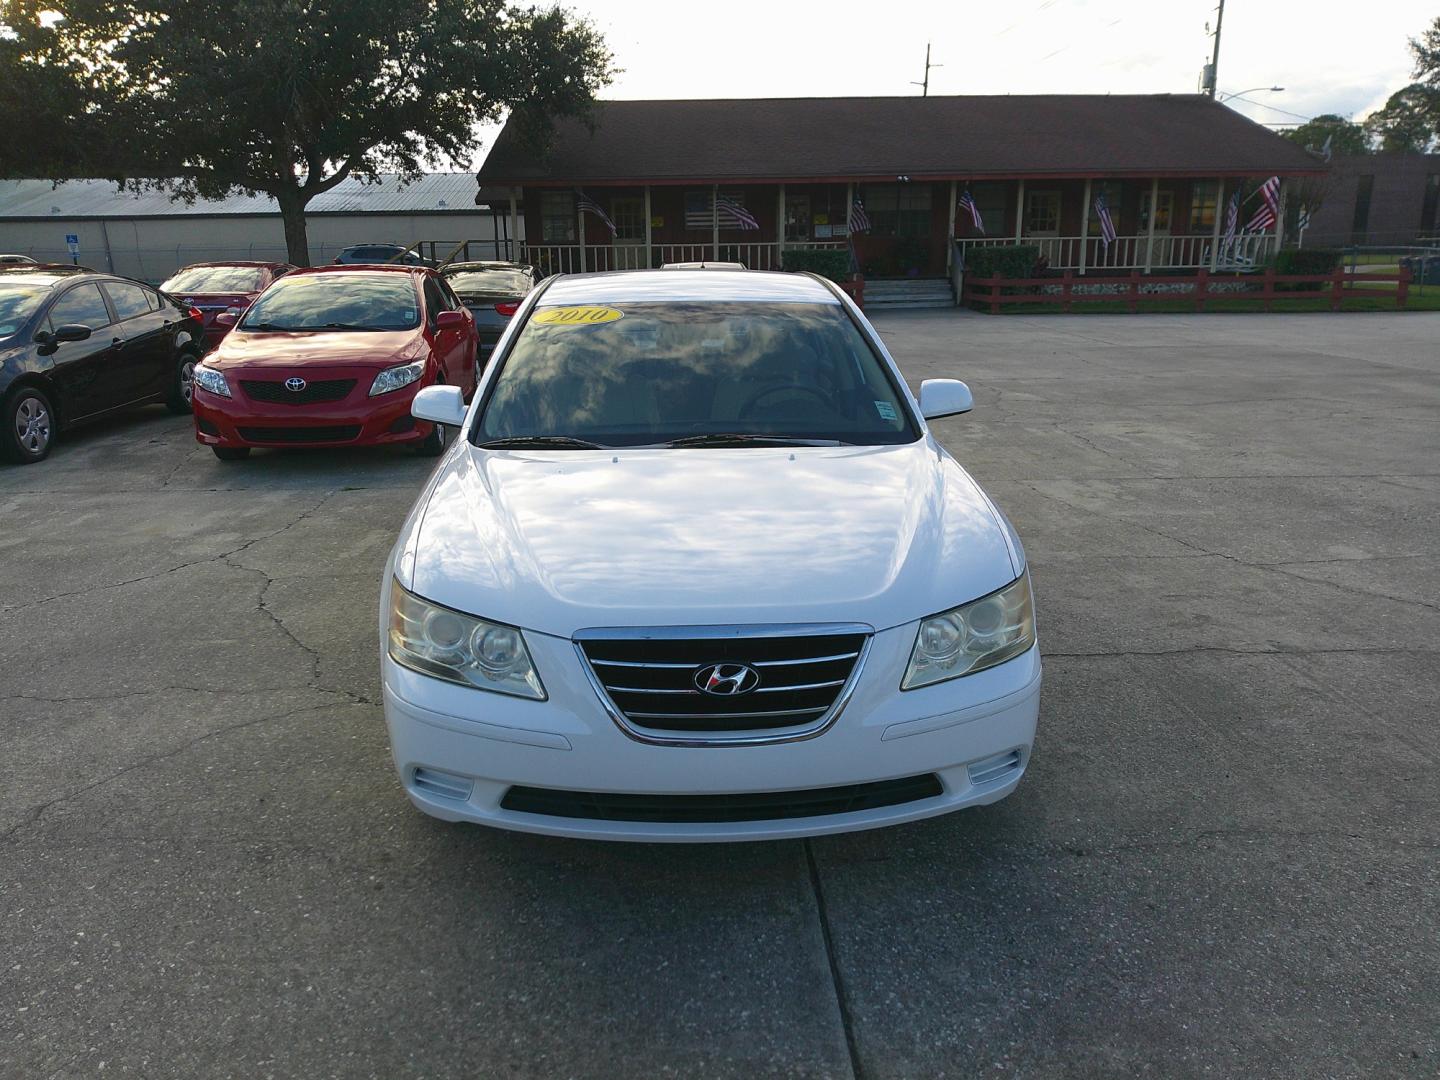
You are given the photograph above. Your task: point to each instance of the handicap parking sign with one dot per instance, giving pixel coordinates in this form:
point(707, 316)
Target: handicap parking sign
point(72, 241)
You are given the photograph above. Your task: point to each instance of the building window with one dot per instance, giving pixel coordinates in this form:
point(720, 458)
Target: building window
point(1204, 195)
point(1360, 223)
point(797, 217)
point(700, 214)
point(897, 209)
point(557, 217)
point(1165, 204)
point(1429, 218)
point(628, 214)
point(1042, 213)
point(1114, 195)
point(992, 200)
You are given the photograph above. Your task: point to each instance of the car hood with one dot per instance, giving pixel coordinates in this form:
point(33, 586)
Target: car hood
point(338, 348)
point(559, 541)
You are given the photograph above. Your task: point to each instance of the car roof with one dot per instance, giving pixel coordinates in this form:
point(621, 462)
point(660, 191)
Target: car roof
point(652, 286)
point(486, 264)
point(48, 275)
point(229, 262)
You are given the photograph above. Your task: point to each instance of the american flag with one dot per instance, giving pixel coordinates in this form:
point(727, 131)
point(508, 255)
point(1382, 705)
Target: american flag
point(859, 221)
point(967, 203)
point(590, 206)
point(1107, 225)
point(1269, 209)
point(734, 216)
point(1232, 221)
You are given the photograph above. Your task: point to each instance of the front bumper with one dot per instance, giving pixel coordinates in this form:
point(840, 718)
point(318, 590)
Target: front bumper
point(459, 751)
point(358, 420)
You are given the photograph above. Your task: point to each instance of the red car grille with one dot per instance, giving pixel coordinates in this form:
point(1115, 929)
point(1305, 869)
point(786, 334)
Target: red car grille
point(313, 393)
point(334, 433)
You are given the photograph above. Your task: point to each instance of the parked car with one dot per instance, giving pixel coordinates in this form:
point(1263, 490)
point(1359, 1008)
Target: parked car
point(215, 287)
point(333, 356)
point(17, 260)
point(696, 569)
point(493, 292)
point(76, 345)
point(380, 253)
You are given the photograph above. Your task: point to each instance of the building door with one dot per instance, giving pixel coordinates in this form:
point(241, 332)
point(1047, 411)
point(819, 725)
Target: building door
point(1162, 254)
point(628, 214)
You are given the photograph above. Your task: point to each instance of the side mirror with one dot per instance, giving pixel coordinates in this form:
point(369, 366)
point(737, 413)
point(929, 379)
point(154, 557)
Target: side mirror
point(451, 320)
point(71, 332)
point(228, 317)
point(440, 405)
point(944, 397)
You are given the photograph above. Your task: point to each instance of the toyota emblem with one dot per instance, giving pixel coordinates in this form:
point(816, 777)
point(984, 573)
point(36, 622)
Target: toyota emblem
point(295, 384)
point(726, 680)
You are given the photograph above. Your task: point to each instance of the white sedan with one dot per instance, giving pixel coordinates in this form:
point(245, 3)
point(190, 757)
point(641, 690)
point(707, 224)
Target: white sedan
point(696, 569)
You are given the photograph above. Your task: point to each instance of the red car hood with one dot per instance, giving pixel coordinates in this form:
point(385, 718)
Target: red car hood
point(324, 348)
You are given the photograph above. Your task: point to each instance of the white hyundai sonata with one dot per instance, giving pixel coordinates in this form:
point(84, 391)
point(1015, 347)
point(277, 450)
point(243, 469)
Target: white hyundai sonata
point(696, 569)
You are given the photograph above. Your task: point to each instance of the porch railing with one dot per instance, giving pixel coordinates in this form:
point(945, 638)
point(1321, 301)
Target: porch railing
point(573, 259)
point(1130, 252)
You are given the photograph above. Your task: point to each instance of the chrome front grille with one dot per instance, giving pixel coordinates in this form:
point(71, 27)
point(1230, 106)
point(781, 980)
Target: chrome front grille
point(652, 680)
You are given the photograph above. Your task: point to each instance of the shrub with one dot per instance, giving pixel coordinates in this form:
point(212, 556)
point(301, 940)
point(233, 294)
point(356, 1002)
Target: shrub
point(832, 263)
point(1305, 261)
point(1011, 261)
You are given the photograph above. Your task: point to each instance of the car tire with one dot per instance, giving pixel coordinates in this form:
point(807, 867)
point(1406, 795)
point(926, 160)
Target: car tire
point(182, 389)
point(29, 426)
point(433, 445)
point(231, 453)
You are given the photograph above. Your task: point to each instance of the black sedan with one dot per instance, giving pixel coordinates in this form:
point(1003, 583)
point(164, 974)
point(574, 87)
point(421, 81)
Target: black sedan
point(492, 291)
point(76, 345)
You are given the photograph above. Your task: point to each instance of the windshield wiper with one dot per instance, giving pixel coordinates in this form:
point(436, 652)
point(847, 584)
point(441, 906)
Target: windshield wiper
point(737, 439)
point(541, 442)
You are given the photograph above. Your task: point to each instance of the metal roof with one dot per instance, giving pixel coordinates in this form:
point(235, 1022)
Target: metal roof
point(433, 193)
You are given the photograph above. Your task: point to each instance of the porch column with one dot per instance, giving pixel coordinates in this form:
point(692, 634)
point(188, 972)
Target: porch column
point(780, 229)
point(649, 258)
point(715, 218)
point(1280, 218)
point(514, 237)
point(1019, 209)
point(950, 233)
point(1150, 238)
point(580, 234)
point(1085, 227)
point(1215, 234)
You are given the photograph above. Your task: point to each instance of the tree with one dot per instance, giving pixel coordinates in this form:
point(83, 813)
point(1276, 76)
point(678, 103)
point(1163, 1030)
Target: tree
point(1426, 50)
point(1344, 136)
point(1409, 121)
point(286, 97)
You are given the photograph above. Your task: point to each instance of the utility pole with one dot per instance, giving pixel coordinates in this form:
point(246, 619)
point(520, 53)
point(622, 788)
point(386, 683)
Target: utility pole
point(1212, 76)
point(925, 86)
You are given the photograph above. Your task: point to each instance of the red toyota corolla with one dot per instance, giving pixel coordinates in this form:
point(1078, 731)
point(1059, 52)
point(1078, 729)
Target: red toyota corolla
point(333, 356)
point(213, 288)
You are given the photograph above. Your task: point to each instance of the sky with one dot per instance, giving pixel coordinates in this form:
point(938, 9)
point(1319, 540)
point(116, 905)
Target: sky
point(1330, 57)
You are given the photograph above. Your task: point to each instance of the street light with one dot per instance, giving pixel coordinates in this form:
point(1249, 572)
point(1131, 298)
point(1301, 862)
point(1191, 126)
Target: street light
point(1241, 93)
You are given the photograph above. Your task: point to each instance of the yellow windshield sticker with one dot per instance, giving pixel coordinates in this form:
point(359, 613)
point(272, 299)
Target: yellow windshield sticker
point(576, 316)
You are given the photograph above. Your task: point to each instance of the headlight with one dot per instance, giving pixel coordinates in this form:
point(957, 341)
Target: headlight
point(973, 636)
point(207, 378)
point(393, 378)
point(460, 648)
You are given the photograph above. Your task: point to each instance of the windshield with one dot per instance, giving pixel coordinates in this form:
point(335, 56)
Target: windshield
point(657, 373)
point(476, 282)
point(215, 279)
point(336, 301)
point(17, 304)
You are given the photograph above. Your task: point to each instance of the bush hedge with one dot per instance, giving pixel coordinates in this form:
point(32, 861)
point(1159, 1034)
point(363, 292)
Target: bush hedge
point(1307, 261)
point(1010, 261)
point(833, 264)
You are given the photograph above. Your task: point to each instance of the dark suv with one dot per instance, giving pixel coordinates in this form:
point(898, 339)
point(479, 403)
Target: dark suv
point(76, 345)
point(381, 253)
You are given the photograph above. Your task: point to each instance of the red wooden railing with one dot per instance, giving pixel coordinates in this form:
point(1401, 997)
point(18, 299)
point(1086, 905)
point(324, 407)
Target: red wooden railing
point(987, 292)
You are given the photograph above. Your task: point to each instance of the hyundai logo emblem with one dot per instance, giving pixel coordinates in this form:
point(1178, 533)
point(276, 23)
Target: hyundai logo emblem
point(726, 680)
point(295, 383)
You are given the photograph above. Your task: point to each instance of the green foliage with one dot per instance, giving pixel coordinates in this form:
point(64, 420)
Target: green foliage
point(832, 264)
point(1010, 261)
point(1307, 261)
point(1409, 121)
point(1426, 50)
point(287, 97)
point(1345, 136)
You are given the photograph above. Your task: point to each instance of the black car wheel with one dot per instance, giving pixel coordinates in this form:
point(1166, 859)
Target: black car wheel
point(29, 426)
point(231, 453)
point(433, 445)
point(183, 391)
